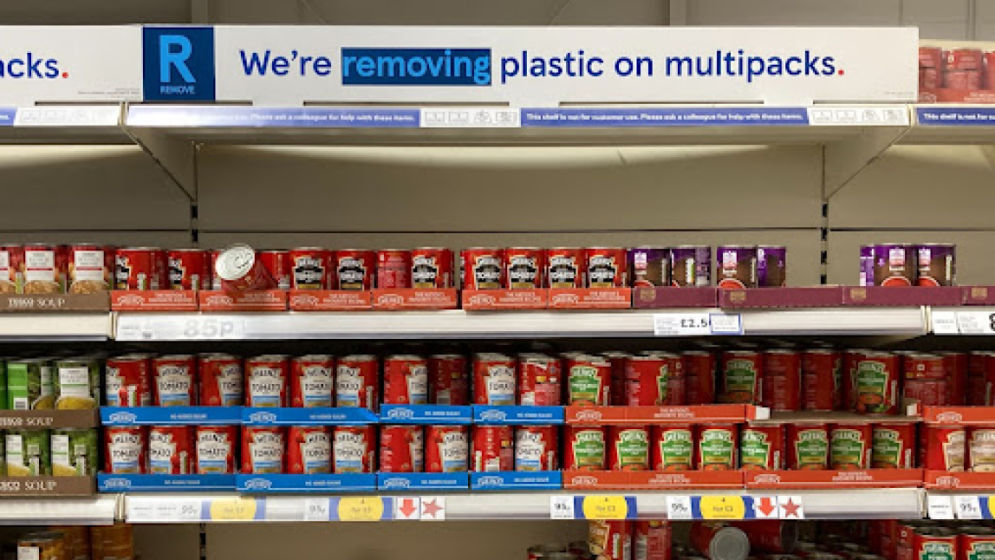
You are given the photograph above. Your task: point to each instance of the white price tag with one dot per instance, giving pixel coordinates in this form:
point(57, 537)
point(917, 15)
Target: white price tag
point(790, 507)
point(194, 327)
point(316, 509)
point(681, 324)
point(78, 115)
point(152, 510)
point(967, 507)
point(944, 322)
point(206, 327)
point(470, 117)
point(679, 508)
point(975, 322)
point(561, 507)
point(726, 323)
point(940, 507)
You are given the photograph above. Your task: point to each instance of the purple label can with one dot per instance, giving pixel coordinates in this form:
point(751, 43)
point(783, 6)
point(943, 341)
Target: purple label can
point(736, 266)
point(937, 264)
point(649, 266)
point(894, 264)
point(691, 265)
point(866, 265)
point(772, 266)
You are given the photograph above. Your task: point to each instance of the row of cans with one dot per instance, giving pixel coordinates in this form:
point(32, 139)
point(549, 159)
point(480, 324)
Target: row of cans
point(46, 383)
point(56, 452)
point(931, 540)
point(905, 264)
point(958, 448)
point(74, 542)
point(963, 69)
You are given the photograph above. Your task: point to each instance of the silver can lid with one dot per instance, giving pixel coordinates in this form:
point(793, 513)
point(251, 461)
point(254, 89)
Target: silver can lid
point(235, 262)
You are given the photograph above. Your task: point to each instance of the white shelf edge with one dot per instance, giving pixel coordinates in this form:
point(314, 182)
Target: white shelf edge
point(101, 509)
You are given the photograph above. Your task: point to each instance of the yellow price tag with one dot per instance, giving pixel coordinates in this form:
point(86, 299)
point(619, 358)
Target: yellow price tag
point(605, 507)
point(233, 509)
point(991, 508)
point(361, 509)
point(722, 507)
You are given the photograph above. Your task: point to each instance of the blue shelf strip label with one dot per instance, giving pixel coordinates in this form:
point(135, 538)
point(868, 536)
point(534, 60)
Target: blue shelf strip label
point(423, 481)
point(956, 116)
point(7, 115)
point(505, 480)
point(425, 414)
point(165, 482)
point(303, 483)
point(272, 117)
point(517, 415)
point(177, 415)
point(580, 117)
point(306, 416)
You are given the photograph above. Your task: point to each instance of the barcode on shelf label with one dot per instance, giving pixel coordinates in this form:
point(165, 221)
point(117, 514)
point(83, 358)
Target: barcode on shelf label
point(940, 507)
point(968, 507)
point(561, 507)
point(682, 324)
point(679, 508)
point(726, 323)
point(974, 322)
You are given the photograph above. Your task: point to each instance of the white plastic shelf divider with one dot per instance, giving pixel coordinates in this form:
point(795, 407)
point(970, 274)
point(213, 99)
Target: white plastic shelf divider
point(56, 326)
point(96, 510)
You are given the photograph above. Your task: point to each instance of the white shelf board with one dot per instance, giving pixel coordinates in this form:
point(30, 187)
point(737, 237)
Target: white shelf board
point(101, 509)
point(951, 124)
point(63, 124)
point(56, 326)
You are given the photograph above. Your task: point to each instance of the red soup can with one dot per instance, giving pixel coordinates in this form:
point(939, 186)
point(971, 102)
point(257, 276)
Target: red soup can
point(354, 448)
point(277, 264)
point(629, 448)
point(539, 380)
point(525, 267)
point(448, 379)
point(892, 446)
point(215, 449)
point(782, 380)
point(266, 380)
point(923, 366)
point(955, 365)
point(761, 447)
point(483, 268)
point(393, 268)
point(610, 540)
point(128, 381)
point(606, 267)
point(171, 449)
point(405, 379)
point(263, 449)
point(588, 380)
point(312, 380)
point(876, 383)
point(934, 543)
point(808, 446)
point(221, 380)
point(493, 448)
point(926, 392)
point(135, 269)
point(189, 269)
point(44, 269)
point(355, 269)
point(494, 379)
point(446, 448)
point(241, 271)
point(175, 380)
point(646, 380)
point(124, 449)
point(716, 449)
point(699, 372)
point(673, 447)
point(309, 450)
point(432, 267)
point(402, 448)
point(740, 377)
point(584, 448)
point(943, 448)
point(88, 268)
point(536, 448)
point(12, 269)
point(822, 379)
point(677, 389)
point(565, 267)
point(311, 268)
point(616, 389)
point(975, 542)
point(651, 540)
point(850, 446)
point(357, 381)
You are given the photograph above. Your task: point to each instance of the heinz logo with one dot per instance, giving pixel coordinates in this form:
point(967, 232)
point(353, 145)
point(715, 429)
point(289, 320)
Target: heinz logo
point(30, 67)
point(416, 67)
point(178, 63)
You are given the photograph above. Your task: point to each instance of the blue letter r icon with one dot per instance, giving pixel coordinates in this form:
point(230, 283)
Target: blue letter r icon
point(174, 50)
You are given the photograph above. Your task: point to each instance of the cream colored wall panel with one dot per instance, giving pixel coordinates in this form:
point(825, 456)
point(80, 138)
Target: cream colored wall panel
point(974, 262)
point(920, 187)
point(794, 12)
point(458, 540)
point(507, 189)
point(86, 187)
point(120, 238)
point(167, 542)
point(803, 245)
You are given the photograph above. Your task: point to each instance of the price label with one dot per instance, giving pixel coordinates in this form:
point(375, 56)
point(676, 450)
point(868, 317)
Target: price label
point(940, 507)
point(561, 507)
point(162, 511)
point(606, 507)
point(679, 508)
point(726, 323)
point(235, 509)
point(967, 507)
point(206, 327)
point(316, 509)
point(722, 507)
point(367, 508)
point(975, 322)
point(944, 322)
point(681, 324)
point(197, 327)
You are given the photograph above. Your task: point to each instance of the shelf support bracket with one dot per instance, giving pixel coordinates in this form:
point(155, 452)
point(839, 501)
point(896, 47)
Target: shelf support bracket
point(845, 159)
point(176, 157)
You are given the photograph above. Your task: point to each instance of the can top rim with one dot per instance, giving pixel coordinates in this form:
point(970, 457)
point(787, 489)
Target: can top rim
point(235, 262)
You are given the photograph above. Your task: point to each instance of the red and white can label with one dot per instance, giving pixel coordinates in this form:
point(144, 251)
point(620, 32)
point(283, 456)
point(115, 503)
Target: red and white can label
point(221, 382)
point(309, 450)
point(357, 381)
point(494, 380)
point(125, 450)
point(266, 381)
point(402, 448)
point(405, 380)
point(312, 381)
point(127, 381)
point(535, 448)
point(170, 450)
point(493, 448)
point(353, 449)
point(216, 449)
point(446, 449)
point(174, 380)
point(263, 450)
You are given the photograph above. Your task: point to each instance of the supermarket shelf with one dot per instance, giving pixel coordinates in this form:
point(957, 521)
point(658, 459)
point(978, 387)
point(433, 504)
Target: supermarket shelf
point(55, 326)
point(95, 510)
point(952, 124)
point(68, 124)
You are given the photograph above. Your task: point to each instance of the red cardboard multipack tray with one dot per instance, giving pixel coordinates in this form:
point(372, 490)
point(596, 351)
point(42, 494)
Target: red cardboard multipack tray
point(642, 415)
point(946, 480)
point(662, 297)
point(951, 95)
point(773, 298)
point(978, 295)
point(497, 300)
point(903, 296)
point(268, 300)
point(864, 478)
point(415, 298)
point(590, 298)
point(154, 300)
point(651, 480)
point(330, 300)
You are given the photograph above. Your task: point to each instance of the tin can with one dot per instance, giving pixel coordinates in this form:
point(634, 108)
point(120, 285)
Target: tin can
point(539, 382)
point(616, 389)
point(649, 266)
point(393, 268)
point(354, 449)
point(866, 266)
point(215, 449)
point(651, 540)
point(937, 266)
point(737, 266)
point(955, 364)
point(740, 377)
point(128, 381)
point(312, 380)
point(892, 446)
point(772, 266)
point(646, 380)
point(189, 269)
point(851, 360)
point(822, 379)
point(446, 448)
point(782, 380)
point(974, 543)
point(357, 381)
point(676, 380)
point(923, 366)
point(588, 380)
point(849, 446)
point(74, 451)
point(124, 449)
point(761, 447)
point(432, 267)
point(536, 448)
point(309, 449)
point(135, 269)
point(171, 449)
point(988, 377)
point(565, 267)
point(88, 270)
point(691, 265)
point(221, 380)
point(894, 265)
point(877, 383)
point(402, 448)
point(808, 446)
point(629, 449)
point(584, 448)
point(944, 448)
point(610, 540)
point(605, 267)
point(30, 385)
point(44, 269)
point(264, 449)
point(112, 541)
point(11, 269)
point(447, 379)
point(266, 380)
point(981, 448)
point(405, 379)
point(215, 281)
point(525, 267)
point(699, 372)
point(241, 271)
point(277, 263)
point(494, 379)
point(716, 449)
point(43, 545)
point(311, 268)
point(77, 383)
point(77, 541)
point(719, 542)
point(355, 269)
point(673, 447)
point(931, 543)
point(493, 448)
point(925, 392)
point(483, 268)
